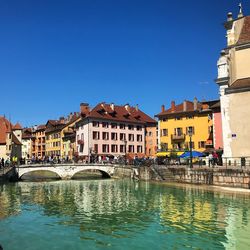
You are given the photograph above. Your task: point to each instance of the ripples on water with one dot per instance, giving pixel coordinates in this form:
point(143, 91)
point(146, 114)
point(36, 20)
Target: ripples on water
point(120, 214)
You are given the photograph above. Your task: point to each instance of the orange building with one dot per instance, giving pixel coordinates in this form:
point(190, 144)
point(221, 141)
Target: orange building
point(38, 141)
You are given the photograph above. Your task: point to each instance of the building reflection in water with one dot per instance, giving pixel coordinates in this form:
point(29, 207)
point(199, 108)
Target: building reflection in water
point(110, 206)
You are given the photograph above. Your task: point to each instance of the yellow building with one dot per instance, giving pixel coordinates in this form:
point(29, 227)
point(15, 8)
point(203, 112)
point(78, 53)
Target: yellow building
point(68, 135)
point(60, 137)
point(178, 121)
point(53, 137)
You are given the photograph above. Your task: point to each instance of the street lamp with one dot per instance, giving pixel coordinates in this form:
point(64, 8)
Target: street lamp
point(190, 133)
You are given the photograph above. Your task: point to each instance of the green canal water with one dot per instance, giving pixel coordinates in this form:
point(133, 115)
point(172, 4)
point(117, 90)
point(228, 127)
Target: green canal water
point(121, 214)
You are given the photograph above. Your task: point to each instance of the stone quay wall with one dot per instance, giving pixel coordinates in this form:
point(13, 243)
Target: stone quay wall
point(238, 178)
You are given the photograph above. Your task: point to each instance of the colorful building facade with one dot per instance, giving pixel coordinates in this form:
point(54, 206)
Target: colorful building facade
point(234, 84)
point(178, 121)
point(111, 130)
point(38, 141)
point(10, 139)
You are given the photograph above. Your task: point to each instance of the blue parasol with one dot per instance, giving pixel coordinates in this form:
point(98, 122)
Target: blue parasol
point(194, 154)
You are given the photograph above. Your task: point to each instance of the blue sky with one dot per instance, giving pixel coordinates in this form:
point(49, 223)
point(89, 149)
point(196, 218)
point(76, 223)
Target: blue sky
point(56, 54)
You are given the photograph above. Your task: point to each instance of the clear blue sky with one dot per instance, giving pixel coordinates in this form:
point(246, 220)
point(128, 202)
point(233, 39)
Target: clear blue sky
point(56, 54)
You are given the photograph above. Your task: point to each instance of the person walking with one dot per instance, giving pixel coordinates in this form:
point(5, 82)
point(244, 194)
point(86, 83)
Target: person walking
point(215, 158)
point(210, 160)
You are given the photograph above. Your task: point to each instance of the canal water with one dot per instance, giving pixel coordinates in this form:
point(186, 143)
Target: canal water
point(121, 214)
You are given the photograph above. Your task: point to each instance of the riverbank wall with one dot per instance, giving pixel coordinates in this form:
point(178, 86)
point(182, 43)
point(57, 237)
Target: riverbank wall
point(238, 178)
point(9, 174)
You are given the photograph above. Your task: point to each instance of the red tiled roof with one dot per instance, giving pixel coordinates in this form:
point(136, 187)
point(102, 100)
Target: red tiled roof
point(5, 127)
point(245, 32)
point(41, 127)
point(27, 133)
point(180, 109)
point(17, 126)
point(119, 113)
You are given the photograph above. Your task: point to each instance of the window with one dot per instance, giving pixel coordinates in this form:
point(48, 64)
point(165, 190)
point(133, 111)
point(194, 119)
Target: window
point(122, 136)
point(190, 117)
point(105, 135)
point(122, 148)
point(81, 148)
point(139, 137)
point(150, 133)
point(114, 136)
point(178, 118)
point(113, 125)
point(201, 144)
point(105, 124)
point(105, 148)
point(130, 127)
point(122, 126)
point(139, 128)
point(178, 131)
point(96, 135)
point(95, 124)
point(114, 148)
point(164, 132)
point(164, 119)
point(190, 129)
point(131, 137)
point(139, 149)
point(96, 148)
point(131, 149)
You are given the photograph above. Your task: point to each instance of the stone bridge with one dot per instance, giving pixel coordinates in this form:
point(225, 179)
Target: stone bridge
point(66, 171)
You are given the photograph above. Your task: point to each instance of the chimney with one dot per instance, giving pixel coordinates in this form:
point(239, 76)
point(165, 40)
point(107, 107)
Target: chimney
point(185, 106)
point(229, 17)
point(136, 107)
point(112, 106)
point(162, 108)
point(195, 103)
point(127, 107)
point(84, 108)
point(61, 119)
point(173, 106)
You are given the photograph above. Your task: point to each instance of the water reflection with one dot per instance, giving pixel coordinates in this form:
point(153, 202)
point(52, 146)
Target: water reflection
point(152, 215)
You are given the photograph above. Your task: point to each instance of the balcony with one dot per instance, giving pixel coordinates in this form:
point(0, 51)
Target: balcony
point(178, 137)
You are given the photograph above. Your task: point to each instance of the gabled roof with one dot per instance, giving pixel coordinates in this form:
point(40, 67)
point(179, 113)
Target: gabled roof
point(245, 32)
point(119, 113)
point(17, 126)
point(5, 127)
point(54, 125)
point(41, 127)
point(27, 133)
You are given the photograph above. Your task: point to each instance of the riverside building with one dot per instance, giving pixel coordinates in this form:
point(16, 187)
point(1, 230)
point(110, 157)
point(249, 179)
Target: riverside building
point(176, 122)
point(112, 130)
point(234, 87)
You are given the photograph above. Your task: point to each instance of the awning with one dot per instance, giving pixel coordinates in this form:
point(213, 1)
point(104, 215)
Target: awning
point(163, 154)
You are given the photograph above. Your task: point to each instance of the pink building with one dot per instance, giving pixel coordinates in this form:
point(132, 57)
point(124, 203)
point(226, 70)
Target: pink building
point(217, 126)
point(108, 129)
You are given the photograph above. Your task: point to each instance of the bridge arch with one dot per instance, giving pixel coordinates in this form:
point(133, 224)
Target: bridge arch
point(66, 171)
point(105, 174)
point(36, 170)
